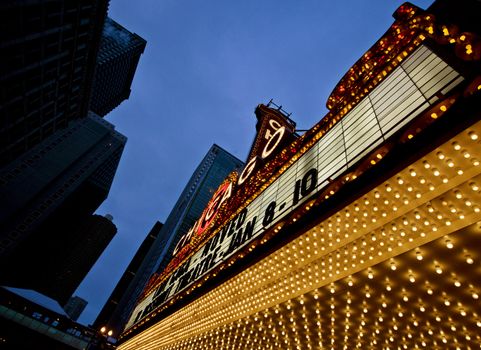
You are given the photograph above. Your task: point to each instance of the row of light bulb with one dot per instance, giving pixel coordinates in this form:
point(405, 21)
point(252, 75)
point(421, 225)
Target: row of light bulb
point(290, 329)
point(308, 248)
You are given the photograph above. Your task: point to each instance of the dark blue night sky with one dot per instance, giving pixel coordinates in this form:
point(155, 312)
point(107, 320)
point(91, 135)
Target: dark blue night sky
point(206, 66)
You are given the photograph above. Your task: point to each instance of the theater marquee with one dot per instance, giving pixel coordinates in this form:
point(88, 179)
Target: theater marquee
point(419, 80)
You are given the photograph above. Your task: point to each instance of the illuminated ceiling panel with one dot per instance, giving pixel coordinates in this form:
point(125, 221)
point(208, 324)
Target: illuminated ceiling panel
point(399, 268)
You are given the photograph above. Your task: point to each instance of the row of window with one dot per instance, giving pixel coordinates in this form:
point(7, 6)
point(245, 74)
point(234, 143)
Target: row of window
point(42, 150)
point(54, 197)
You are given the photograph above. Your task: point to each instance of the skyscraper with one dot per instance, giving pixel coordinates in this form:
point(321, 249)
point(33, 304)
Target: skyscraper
point(117, 61)
point(63, 258)
point(50, 189)
point(114, 313)
point(209, 174)
point(48, 52)
point(57, 158)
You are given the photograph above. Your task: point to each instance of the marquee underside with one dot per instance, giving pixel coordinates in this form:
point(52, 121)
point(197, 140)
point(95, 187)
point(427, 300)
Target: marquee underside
point(398, 268)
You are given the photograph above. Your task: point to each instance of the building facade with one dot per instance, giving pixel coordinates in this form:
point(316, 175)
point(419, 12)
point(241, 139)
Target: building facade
point(117, 61)
point(114, 314)
point(49, 191)
point(57, 157)
point(48, 52)
point(214, 168)
point(211, 171)
point(361, 233)
point(64, 257)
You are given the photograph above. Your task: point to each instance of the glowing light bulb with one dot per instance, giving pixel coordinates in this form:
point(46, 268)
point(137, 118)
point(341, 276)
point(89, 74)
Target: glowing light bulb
point(449, 244)
point(419, 255)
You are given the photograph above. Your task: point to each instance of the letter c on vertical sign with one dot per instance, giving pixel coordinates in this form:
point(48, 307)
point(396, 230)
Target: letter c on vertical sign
point(184, 240)
point(226, 192)
point(274, 125)
point(273, 142)
point(247, 171)
point(220, 196)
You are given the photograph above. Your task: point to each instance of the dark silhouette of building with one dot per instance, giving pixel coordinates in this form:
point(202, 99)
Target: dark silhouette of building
point(48, 52)
point(65, 257)
point(117, 61)
point(113, 315)
point(49, 191)
point(68, 175)
point(74, 307)
point(57, 157)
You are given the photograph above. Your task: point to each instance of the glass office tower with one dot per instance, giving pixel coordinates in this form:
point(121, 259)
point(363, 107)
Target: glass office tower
point(117, 62)
point(208, 175)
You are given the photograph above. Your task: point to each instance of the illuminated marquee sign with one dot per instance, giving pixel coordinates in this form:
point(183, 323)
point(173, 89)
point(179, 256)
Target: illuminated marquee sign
point(273, 131)
point(417, 81)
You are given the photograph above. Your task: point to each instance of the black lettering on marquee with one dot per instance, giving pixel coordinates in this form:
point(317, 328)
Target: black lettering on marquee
point(207, 247)
point(159, 290)
point(137, 318)
point(180, 271)
point(147, 310)
point(269, 214)
point(309, 182)
point(196, 270)
point(235, 242)
point(184, 281)
point(165, 293)
point(241, 218)
point(232, 228)
point(225, 229)
point(249, 229)
point(305, 186)
point(242, 236)
point(157, 302)
point(211, 255)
